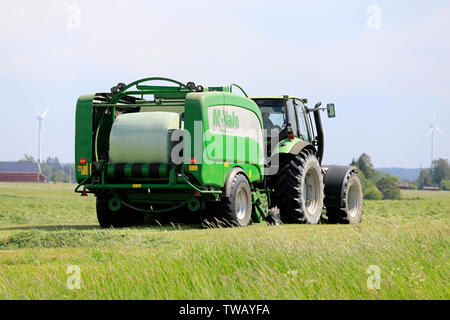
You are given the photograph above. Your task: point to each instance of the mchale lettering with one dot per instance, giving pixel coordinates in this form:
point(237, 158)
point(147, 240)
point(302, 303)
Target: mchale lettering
point(225, 120)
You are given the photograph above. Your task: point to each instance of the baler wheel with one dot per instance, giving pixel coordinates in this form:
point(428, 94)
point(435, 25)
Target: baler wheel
point(123, 217)
point(298, 189)
point(237, 207)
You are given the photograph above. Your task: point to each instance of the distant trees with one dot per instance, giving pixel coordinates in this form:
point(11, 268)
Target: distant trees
point(55, 177)
point(445, 185)
point(371, 192)
point(53, 169)
point(375, 187)
point(364, 163)
point(27, 158)
point(388, 187)
point(435, 177)
point(424, 178)
point(378, 185)
point(57, 172)
point(440, 171)
point(413, 186)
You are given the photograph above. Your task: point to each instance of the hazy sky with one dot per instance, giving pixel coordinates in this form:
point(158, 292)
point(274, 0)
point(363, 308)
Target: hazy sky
point(385, 64)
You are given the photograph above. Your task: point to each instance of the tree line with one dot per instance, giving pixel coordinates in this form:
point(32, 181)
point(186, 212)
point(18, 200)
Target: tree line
point(53, 170)
point(438, 176)
point(379, 185)
point(376, 185)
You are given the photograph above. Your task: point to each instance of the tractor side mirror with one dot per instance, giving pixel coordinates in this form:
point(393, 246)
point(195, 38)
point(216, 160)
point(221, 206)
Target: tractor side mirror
point(330, 110)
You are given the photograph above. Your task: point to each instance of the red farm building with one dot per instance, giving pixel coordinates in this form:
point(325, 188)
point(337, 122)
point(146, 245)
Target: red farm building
point(21, 172)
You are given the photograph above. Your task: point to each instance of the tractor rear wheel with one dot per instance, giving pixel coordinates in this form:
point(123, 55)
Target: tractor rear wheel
point(298, 190)
point(123, 217)
point(353, 195)
point(237, 207)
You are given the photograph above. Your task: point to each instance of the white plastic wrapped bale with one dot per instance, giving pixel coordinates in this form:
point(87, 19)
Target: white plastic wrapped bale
point(142, 137)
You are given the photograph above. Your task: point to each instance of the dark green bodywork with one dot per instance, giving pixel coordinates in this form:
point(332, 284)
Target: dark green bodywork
point(83, 137)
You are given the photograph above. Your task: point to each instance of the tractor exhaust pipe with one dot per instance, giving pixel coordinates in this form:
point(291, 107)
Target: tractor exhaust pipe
point(320, 139)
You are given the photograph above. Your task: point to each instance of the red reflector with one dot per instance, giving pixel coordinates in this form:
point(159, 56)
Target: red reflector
point(193, 161)
point(83, 161)
point(291, 136)
point(197, 194)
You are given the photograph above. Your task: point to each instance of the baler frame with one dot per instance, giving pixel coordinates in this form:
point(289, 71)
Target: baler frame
point(163, 96)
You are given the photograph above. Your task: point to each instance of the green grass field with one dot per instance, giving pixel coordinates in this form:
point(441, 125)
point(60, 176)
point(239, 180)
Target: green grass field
point(44, 229)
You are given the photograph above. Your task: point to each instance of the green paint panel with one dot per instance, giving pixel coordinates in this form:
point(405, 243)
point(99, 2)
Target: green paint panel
point(288, 144)
point(83, 137)
point(218, 152)
point(196, 123)
point(260, 206)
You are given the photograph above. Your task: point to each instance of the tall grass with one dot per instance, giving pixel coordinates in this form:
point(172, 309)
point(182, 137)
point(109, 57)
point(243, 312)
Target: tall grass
point(46, 228)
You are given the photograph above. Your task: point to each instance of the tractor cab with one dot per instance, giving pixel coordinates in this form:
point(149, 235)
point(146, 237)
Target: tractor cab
point(285, 116)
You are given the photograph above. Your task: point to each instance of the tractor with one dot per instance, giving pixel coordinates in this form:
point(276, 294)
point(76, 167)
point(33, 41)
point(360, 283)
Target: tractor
point(146, 148)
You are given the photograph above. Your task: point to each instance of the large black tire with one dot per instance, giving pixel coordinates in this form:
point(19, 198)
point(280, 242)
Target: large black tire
point(353, 198)
point(124, 217)
point(236, 209)
point(298, 189)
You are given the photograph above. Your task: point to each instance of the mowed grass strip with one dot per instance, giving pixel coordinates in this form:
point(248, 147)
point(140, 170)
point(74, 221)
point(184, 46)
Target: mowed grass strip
point(408, 240)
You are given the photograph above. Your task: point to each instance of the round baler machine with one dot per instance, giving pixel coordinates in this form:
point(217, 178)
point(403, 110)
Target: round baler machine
point(147, 149)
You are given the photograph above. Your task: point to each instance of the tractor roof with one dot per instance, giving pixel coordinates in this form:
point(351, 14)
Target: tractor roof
point(274, 97)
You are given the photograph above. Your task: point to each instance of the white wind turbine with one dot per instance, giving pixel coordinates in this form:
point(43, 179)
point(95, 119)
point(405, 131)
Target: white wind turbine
point(40, 117)
point(433, 128)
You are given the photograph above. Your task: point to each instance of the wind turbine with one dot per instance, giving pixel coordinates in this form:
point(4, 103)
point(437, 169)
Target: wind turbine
point(433, 128)
point(40, 117)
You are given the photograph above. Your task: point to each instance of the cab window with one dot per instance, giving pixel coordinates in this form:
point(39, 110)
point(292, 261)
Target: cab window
point(273, 113)
point(303, 128)
point(291, 114)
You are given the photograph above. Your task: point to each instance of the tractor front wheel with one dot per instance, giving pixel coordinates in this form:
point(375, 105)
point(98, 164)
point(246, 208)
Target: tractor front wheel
point(353, 197)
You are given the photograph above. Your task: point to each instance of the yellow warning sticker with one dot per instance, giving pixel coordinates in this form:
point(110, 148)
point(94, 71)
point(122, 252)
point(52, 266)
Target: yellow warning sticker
point(85, 169)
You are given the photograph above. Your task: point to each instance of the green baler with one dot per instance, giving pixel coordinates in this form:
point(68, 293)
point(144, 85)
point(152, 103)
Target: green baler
point(145, 149)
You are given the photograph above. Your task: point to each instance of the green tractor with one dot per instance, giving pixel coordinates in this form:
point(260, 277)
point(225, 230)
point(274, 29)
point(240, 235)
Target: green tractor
point(146, 149)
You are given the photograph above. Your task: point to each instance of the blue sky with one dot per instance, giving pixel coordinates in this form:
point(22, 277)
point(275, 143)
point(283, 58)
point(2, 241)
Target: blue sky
point(386, 83)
